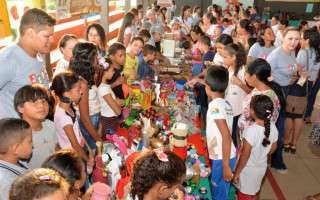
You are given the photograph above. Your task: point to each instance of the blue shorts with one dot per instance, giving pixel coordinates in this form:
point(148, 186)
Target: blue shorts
point(220, 188)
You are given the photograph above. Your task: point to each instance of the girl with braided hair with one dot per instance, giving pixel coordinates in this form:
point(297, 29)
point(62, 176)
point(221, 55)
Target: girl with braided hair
point(259, 141)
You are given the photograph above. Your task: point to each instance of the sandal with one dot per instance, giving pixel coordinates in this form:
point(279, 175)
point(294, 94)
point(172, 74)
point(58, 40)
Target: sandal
point(293, 151)
point(308, 121)
point(286, 147)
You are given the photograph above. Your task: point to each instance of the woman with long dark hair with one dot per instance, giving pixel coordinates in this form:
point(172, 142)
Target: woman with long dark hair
point(244, 32)
point(96, 34)
point(125, 31)
point(186, 19)
point(283, 24)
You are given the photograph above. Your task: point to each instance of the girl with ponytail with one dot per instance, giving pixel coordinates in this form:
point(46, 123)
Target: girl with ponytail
point(234, 59)
point(259, 140)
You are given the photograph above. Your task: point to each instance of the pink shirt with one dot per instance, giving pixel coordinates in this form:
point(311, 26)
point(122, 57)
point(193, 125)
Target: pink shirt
point(61, 119)
point(195, 53)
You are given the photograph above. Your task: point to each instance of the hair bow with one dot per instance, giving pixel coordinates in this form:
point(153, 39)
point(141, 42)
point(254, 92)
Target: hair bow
point(103, 63)
point(269, 116)
point(161, 155)
point(46, 177)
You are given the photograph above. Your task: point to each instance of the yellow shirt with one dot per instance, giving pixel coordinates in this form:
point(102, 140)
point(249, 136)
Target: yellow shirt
point(130, 68)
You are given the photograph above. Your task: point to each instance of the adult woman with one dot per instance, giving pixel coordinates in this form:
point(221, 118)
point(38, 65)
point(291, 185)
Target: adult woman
point(303, 26)
point(236, 10)
point(96, 34)
point(258, 76)
point(257, 27)
point(209, 25)
point(196, 15)
point(283, 64)
point(264, 45)
point(125, 31)
point(244, 32)
point(163, 12)
point(310, 41)
point(153, 19)
point(283, 24)
point(186, 19)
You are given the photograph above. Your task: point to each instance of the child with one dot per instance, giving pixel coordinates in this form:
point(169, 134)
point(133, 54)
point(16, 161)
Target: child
point(257, 138)
point(15, 144)
point(219, 125)
point(234, 59)
point(132, 61)
point(39, 184)
point(156, 175)
point(31, 102)
point(67, 87)
point(66, 44)
point(125, 30)
point(144, 69)
point(117, 54)
point(186, 45)
point(145, 34)
point(175, 29)
point(84, 62)
point(68, 163)
point(110, 105)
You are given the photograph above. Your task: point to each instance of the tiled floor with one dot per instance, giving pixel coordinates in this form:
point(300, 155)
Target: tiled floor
point(304, 169)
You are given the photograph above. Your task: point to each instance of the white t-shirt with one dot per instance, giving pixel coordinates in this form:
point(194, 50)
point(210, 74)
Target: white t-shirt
point(255, 169)
point(61, 119)
point(218, 109)
point(234, 94)
point(257, 51)
point(228, 30)
point(62, 65)
point(106, 110)
point(218, 60)
point(275, 29)
point(211, 29)
point(278, 41)
point(128, 30)
point(196, 18)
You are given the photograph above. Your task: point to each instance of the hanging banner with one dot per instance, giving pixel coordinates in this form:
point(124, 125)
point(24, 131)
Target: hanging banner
point(70, 8)
point(4, 20)
point(16, 8)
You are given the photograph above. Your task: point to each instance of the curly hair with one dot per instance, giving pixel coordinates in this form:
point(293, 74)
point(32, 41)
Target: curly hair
point(84, 57)
point(68, 163)
point(32, 186)
point(100, 72)
point(148, 170)
point(262, 106)
point(238, 51)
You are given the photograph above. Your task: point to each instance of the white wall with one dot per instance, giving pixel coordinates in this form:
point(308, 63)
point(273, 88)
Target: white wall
point(223, 3)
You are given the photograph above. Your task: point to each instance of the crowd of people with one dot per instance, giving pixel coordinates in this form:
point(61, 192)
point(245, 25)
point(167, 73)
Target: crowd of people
point(244, 71)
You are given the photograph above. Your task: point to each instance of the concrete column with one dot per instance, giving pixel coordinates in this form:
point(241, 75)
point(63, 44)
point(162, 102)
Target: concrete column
point(105, 17)
point(127, 5)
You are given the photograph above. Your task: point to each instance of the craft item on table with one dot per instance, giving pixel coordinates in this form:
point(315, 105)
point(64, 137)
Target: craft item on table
point(157, 90)
point(150, 113)
point(126, 90)
point(170, 122)
point(193, 158)
point(126, 112)
point(188, 189)
point(136, 88)
point(171, 97)
point(202, 190)
point(192, 126)
point(134, 133)
point(101, 191)
point(156, 143)
point(153, 130)
point(195, 196)
point(180, 151)
point(163, 102)
point(145, 139)
point(100, 173)
point(189, 173)
point(134, 115)
point(148, 97)
point(196, 176)
point(204, 198)
point(99, 148)
point(114, 174)
point(117, 141)
point(180, 132)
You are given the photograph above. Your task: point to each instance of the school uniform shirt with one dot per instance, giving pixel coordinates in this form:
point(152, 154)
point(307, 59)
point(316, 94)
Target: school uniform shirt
point(196, 18)
point(18, 69)
point(151, 41)
point(63, 118)
point(275, 29)
point(130, 68)
point(218, 60)
point(278, 41)
point(282, 66)
point(251, 175)
point(207, 57)
point(188, 22)
point(44, 144)
point(258, 51)
point(234, 94)
point(218, 109)
point(313, 65)
point(106, 110)
point(159, 23)
point(8, 173)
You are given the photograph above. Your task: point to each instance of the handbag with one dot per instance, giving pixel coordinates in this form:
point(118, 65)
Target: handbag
point(295, 104)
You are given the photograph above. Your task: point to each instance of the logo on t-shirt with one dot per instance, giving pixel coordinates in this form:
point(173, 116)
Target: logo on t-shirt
point(214, 110)
point(263, 56)
point(33, 78)
point(38, 79)
point(291, 67)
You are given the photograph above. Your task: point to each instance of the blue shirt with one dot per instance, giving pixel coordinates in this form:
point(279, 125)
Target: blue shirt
point(140, 56)
point(207, 57)
point(144, 69)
